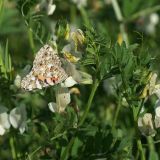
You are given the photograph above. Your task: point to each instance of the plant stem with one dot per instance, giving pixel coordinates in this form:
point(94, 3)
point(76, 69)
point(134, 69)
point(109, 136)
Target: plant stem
point(117, 113)
point(29, 28)
point(138, 140)
point(73, 13)
point(117, 10)
point(40, 147)
point(150, 143)
point(140, 148)
point(144, 12)
point(93, 91)
point(1, 7)
point(67, 150)
point(13, 150)
point(31, 41)
point(35, 151)
point(59, 135)
point(84, 16)
point(94, 88)
point(120, 18)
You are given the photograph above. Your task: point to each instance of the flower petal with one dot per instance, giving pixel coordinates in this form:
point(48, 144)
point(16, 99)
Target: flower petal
point(51, 8)
point(2, 130)
point(69, 82)
point(85, 78)
point(157, 122)
point(52, 107)
point(4, 120)
point(62, 99)
point(70, 57)
point(145, 125)
point(157, 90)
point(157, 108)
point(72, 71)
point(22, 127)
point(152, 83)
point(78, 38)
point(18, 117)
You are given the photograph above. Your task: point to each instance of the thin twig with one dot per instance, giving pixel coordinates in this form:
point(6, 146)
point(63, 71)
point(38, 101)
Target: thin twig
point(120, 18)
point(117, 113)
point(51, 139)
point(144, 12)
point(13, 149)
point(139, 144)
point(94, 88)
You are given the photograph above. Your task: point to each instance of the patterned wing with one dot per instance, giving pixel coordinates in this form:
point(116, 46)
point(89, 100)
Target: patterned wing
point(47, 55)
point(46, 70)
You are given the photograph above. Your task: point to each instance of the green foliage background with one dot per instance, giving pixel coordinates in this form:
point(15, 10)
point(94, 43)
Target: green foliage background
point(100, 136)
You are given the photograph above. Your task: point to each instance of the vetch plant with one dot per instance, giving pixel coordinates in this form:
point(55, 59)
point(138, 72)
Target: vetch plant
point(145, 124)
point(16, 118)
point(104, 61)
point(62, 100)
point(60, 66)
point(79, 79)
point(4, 120)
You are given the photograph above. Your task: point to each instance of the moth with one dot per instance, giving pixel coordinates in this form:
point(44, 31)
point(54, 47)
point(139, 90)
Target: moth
point(46, 71)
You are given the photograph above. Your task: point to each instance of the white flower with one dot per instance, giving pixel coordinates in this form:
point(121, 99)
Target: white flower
point(78, 38)
point(62, 100)
point(62, 93)
point(4, 120)
point(70, 53)
point(109, 85)
point(157, 108)
point(145, 124)
point(48, 6)
point(69, 82)
point(150, 29)
point(148, 23)
point(18, 118)
point(154, 18)
point(80, 3)
point(51, 8)
point(85, 78)
point(152, 87)
point(157, 122)
point(73, 51)
point(157, 114)
point(52, 107)
point(77, 75)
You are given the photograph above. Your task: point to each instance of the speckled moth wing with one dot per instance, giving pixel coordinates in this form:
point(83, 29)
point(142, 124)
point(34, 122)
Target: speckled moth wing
point(46, 71)
point(46, 55)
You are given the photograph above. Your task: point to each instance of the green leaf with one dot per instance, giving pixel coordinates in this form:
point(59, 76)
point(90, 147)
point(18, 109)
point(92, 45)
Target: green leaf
point(44, 126)
point(76, 146)
point(153, 155)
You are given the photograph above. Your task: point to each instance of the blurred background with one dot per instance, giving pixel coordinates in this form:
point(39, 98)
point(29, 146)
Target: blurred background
point(25, 25)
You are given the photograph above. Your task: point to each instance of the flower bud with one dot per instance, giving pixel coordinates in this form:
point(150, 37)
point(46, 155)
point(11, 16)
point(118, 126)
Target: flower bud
point(62, 30)
point(78, 38)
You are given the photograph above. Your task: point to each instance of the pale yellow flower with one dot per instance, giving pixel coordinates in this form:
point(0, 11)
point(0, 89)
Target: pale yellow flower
point(145, 124)
point(62, 100)
point(18, 118)
point(4, 120)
